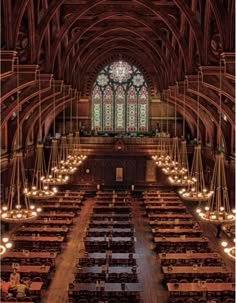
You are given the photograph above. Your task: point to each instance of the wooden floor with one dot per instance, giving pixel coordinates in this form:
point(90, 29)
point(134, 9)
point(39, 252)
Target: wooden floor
point(148, 264)
point(66, 262)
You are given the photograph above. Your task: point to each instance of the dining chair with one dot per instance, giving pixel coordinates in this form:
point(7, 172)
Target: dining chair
point(27, 299)
point(215, 301)
point(37, 279)
point(229, 300)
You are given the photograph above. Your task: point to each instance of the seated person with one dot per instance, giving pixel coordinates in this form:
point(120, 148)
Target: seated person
point(21, 290)
point(5, 285)
point(14, 278)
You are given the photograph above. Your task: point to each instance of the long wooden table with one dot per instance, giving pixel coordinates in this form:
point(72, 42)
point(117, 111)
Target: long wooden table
point(52, 215)
point(116, 203)
point(180, 239)
point(113, 239)
point(130, 289)
point(162, 199)
point(170, 216)
point(112, 207)
point(183, 242)
point(169, 223)
point(192, 272)
point(113, 255)
point(111, 216)
point(190, 256)
point(65, 201)
point(43, 228)
point(177, 231)
point(26, 269)
point(169, 203)
point(112, 230)
point(114, 224)
point(184, 289)
point(99, 269)
point(165, 207)
point(39, 242)
point(61, 207)
point(30, 255)
point(46, 221)
point(38, 239)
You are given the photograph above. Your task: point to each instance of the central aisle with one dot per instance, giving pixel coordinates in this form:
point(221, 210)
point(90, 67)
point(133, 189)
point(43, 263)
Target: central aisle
point(65, 264)
point(149, 268)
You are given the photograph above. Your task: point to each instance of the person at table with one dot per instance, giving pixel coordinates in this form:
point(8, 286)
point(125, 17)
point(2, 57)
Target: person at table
point(5, 285)
point(14, 278)
point(196, 226)
point(21, 290)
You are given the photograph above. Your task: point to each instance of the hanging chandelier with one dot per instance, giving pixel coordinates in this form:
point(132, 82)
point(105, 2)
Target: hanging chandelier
point(65, 167)
point(38, 190)
point(196, 191)
point(165, 146)
point(5, 245)
point(229, 250)
point(18, 208)
point(77, 145)
point(180, 177)
point(159, 146)
point(53, 178)
point(74, 157)
point(171, 166)
point(218, 208)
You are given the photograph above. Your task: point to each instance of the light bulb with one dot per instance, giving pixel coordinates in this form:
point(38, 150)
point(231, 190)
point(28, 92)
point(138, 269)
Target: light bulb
point(224, 243)
point(5, 240)
point(9, 245)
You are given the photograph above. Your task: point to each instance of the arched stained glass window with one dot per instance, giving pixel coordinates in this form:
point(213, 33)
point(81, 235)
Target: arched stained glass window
point(97, 108)
point(120, 100)
point(108, 109)
point(132, 109)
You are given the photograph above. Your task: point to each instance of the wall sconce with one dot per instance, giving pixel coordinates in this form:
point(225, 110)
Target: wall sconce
point(98, 186)
point(132, 187)
point(87, 170)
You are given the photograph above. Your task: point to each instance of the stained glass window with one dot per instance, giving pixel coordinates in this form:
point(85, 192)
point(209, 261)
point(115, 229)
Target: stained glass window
point(120, 100)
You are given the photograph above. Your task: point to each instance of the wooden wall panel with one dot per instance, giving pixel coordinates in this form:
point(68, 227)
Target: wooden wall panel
point(102, 170)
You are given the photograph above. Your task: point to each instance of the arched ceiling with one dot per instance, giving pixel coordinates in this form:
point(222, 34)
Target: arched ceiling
point(168, 40)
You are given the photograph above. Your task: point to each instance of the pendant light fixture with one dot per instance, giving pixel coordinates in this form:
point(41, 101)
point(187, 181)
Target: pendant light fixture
point(196, 191)
point(18, 208)
point(171, 166)
point(181, 176)
point(230, 250)
point(64, 167)
point(74, 157)
point(164, 156)
point(52, 177)
point(5, 244)
point(218, 208)
point(159, 147)
point(38, 189)
point(77, 147)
